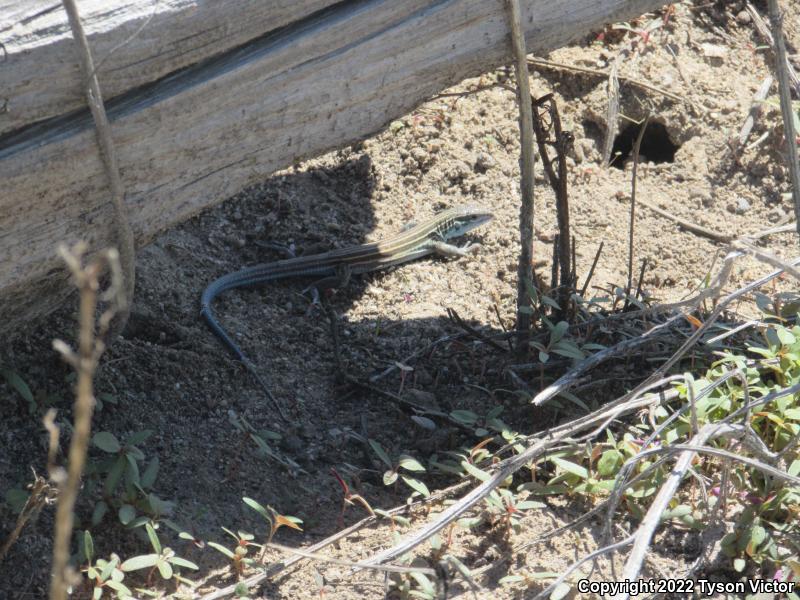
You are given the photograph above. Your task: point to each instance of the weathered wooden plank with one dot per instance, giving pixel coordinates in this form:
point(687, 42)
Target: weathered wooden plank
point(39, 76)
point(196, 137)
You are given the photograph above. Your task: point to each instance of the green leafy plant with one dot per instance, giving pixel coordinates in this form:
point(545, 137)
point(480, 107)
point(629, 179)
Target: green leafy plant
point(124, 468)
point(239, 555)
point(405, 462)
point(103, 574)
point(274, 519)
point(21, 387)
point(163, 560)
point(349, 498)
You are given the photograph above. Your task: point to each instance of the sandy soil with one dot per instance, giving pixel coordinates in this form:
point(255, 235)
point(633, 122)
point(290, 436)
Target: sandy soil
point(170, 375)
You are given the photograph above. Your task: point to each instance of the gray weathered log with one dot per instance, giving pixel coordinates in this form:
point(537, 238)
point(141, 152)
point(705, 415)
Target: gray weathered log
point(40, 75)
point(196, 136)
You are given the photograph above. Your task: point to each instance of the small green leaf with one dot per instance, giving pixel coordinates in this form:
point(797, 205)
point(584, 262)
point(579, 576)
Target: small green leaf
point(389, 477)
point(571, 467)
point(126, 514)
point(221, 548)
point(475, 471)
point(16, 499)
point(464, 416)
point(106, 441)
point(757, 536)
point(568, 349)
point(123, 591)
point(378, 449)
point(529, 504)
point(88, 546)
point(182, 562)
point(151, 533)
point(256, 506)
point(132, 472)
point(108, 569)
point(424, 583)
point(140, 562)
point(550, 302)
point(609, 463)
point(409, 463)
point(106, 397)
point(150, 474)
point(785, 336)
point(562, 589)
point(739, 564)
point(114, 475)
point(469, 522)
point(165, 569)
point(424, 422)
point(138, 437)
point(16, 382)
point(416, 485)
point(558, 331)
point(100, 510)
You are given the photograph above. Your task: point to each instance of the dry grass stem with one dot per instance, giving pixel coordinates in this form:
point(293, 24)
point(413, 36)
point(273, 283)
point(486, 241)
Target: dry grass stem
point(124, 232)
point(85, 360)
point(525, 268)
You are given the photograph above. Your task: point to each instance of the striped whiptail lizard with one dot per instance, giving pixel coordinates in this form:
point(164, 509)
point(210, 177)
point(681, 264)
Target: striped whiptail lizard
point(335, 267)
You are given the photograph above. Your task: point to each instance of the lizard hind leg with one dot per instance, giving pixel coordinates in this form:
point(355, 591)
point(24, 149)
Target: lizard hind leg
point(338, 280)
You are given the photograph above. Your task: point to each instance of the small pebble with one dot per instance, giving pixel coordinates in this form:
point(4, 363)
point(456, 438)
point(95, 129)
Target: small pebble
point(739, 207)
point(484, 162)
point(743, 18)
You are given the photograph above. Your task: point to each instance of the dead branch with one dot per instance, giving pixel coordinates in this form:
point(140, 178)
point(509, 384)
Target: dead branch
point(105, 142)
point(547, 64)
point(612, 115)
point(42, 493)
point(782, 67)
point(688, 225)
point(755, 109)
point(90, 348)
point(632, 222)
point(525, 269)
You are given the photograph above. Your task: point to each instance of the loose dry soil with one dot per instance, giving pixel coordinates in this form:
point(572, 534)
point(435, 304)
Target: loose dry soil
point(168, 374)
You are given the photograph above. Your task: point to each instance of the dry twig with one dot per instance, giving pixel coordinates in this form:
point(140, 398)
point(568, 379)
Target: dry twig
point(537, 62)
point(688, 225)
point(763, 30)
point(782, 67)
point(90, 348)
point(525, 269)
point(755, 109)
point(124, 232)
point(42, 493)
point(612, 115)
point(631, 225)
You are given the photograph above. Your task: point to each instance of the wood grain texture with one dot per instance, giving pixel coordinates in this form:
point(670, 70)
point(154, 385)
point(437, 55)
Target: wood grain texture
point(39, 74)
point(195, 137)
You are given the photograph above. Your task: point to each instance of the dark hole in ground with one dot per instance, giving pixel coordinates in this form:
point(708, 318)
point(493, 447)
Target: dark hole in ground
point(657, 147)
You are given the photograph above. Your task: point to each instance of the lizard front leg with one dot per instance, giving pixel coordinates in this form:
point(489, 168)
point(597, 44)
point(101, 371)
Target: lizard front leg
point(449, 250)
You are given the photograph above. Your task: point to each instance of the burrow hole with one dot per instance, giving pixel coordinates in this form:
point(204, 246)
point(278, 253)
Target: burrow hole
point(657, 147)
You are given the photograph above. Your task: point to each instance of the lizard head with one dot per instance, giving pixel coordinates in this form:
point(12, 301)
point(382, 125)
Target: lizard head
point(464, 219)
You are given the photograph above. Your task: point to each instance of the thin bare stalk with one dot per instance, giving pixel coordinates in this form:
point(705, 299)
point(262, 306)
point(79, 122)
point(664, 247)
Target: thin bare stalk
point(782, 71)
point(631, 225)
point(90, 348)
point(525, 268)
point(124, 233)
